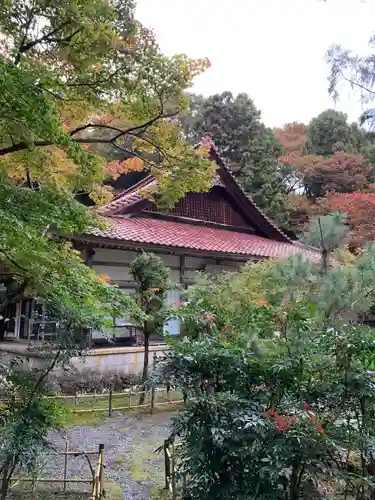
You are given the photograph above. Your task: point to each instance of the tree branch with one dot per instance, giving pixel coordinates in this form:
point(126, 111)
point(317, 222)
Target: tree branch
point(45, 38)
point(29, 181)
point(356, 83)
point(133, 153)
point(12, 261)
point(23, 145)
point(27, 27)
point(95, 125)
point(68, 38)
point(130, 131)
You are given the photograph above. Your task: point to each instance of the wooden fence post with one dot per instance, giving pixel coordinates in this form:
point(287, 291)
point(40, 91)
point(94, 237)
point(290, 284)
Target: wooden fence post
point(173, 472)
point(101, 469)
point(167, 465)
point(66, 464)
point(110, 403)
point(152, 403)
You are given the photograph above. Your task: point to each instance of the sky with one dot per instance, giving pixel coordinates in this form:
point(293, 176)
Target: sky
point(271, 49)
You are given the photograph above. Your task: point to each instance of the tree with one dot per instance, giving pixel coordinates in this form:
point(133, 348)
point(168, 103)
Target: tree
point(249, 147)
point(330, 132)
point(356, 71)
point(113, 87)
point(74, 75)
point(359, 209)
point(292, 137)
point(109, 66)
point(301, 209)
point(342, 172)
point(152, 278)
point(189, 117)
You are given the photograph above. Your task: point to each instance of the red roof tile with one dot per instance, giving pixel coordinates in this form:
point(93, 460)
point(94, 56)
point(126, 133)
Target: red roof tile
point(126, 198)
point(125, 201)
point(197, 237)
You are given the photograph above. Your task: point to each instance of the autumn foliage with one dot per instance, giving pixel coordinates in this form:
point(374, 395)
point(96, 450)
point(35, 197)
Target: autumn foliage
point(341, 172)
point(293, 137)
point(360, 214)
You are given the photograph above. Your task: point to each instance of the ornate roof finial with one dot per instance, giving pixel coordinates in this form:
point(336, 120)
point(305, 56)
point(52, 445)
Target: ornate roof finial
point(207, 141)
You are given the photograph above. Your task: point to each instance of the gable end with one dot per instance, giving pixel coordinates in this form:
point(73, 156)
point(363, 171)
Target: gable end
point(214, 206)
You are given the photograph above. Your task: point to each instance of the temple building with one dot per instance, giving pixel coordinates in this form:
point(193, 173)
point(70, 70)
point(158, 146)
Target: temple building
point(212, 232)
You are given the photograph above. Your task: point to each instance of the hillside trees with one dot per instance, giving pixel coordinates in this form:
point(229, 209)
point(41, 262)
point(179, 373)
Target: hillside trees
point(342, 172)
point(292, 137)
point(336, 157)
point(360, 214)
point(330, 132)
point(356, 71)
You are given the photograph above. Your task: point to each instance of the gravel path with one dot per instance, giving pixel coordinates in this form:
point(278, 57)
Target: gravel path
point(129, 444)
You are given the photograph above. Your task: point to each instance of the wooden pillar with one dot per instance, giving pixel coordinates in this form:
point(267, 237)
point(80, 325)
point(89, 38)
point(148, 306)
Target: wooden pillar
point(90, 252)
point(87, 252)
point(182, 268)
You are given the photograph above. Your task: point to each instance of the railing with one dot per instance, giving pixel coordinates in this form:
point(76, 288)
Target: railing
point(117, 401)
point(121, 401)
point(96, 480)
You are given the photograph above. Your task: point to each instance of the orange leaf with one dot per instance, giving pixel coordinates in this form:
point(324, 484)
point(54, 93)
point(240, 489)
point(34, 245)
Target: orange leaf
point(133, 165)
point(104, 277)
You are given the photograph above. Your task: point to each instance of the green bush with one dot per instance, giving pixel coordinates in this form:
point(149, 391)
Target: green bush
point(285, 408)
point(91, 381)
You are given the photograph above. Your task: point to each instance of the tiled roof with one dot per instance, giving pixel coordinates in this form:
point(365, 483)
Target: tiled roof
point(125, 201)
point(196, 237)
point(127, 197)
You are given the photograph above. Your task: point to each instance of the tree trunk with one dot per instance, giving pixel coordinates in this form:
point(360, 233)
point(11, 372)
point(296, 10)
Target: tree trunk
point(146, 334)
point(6, 476)
point(2, 329)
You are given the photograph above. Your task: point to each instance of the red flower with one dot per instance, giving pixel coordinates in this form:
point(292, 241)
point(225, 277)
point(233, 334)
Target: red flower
point(306, 406)
point(271, 413)
point(320, 429)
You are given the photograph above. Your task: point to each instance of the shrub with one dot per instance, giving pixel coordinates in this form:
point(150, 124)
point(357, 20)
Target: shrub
point(91, 381)
point(285, 408)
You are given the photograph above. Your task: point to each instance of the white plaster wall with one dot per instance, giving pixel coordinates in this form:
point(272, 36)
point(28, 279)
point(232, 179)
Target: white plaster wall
point(105, 256)
point(112, 255)
point(118, 359)
point(114, 359)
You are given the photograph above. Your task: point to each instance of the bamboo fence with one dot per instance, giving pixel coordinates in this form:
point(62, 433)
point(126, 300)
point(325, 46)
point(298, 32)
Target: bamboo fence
point(172, 478)
point(96, 479)
point(98, 482)
point(111, 401)
point(120, 401)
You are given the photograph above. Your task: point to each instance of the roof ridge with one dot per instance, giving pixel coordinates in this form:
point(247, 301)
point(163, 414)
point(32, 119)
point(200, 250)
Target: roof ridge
point(115, 203)
point(250, 198)
point(135, 187)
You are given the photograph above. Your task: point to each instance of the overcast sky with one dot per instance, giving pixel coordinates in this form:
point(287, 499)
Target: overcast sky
point(271, 49)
